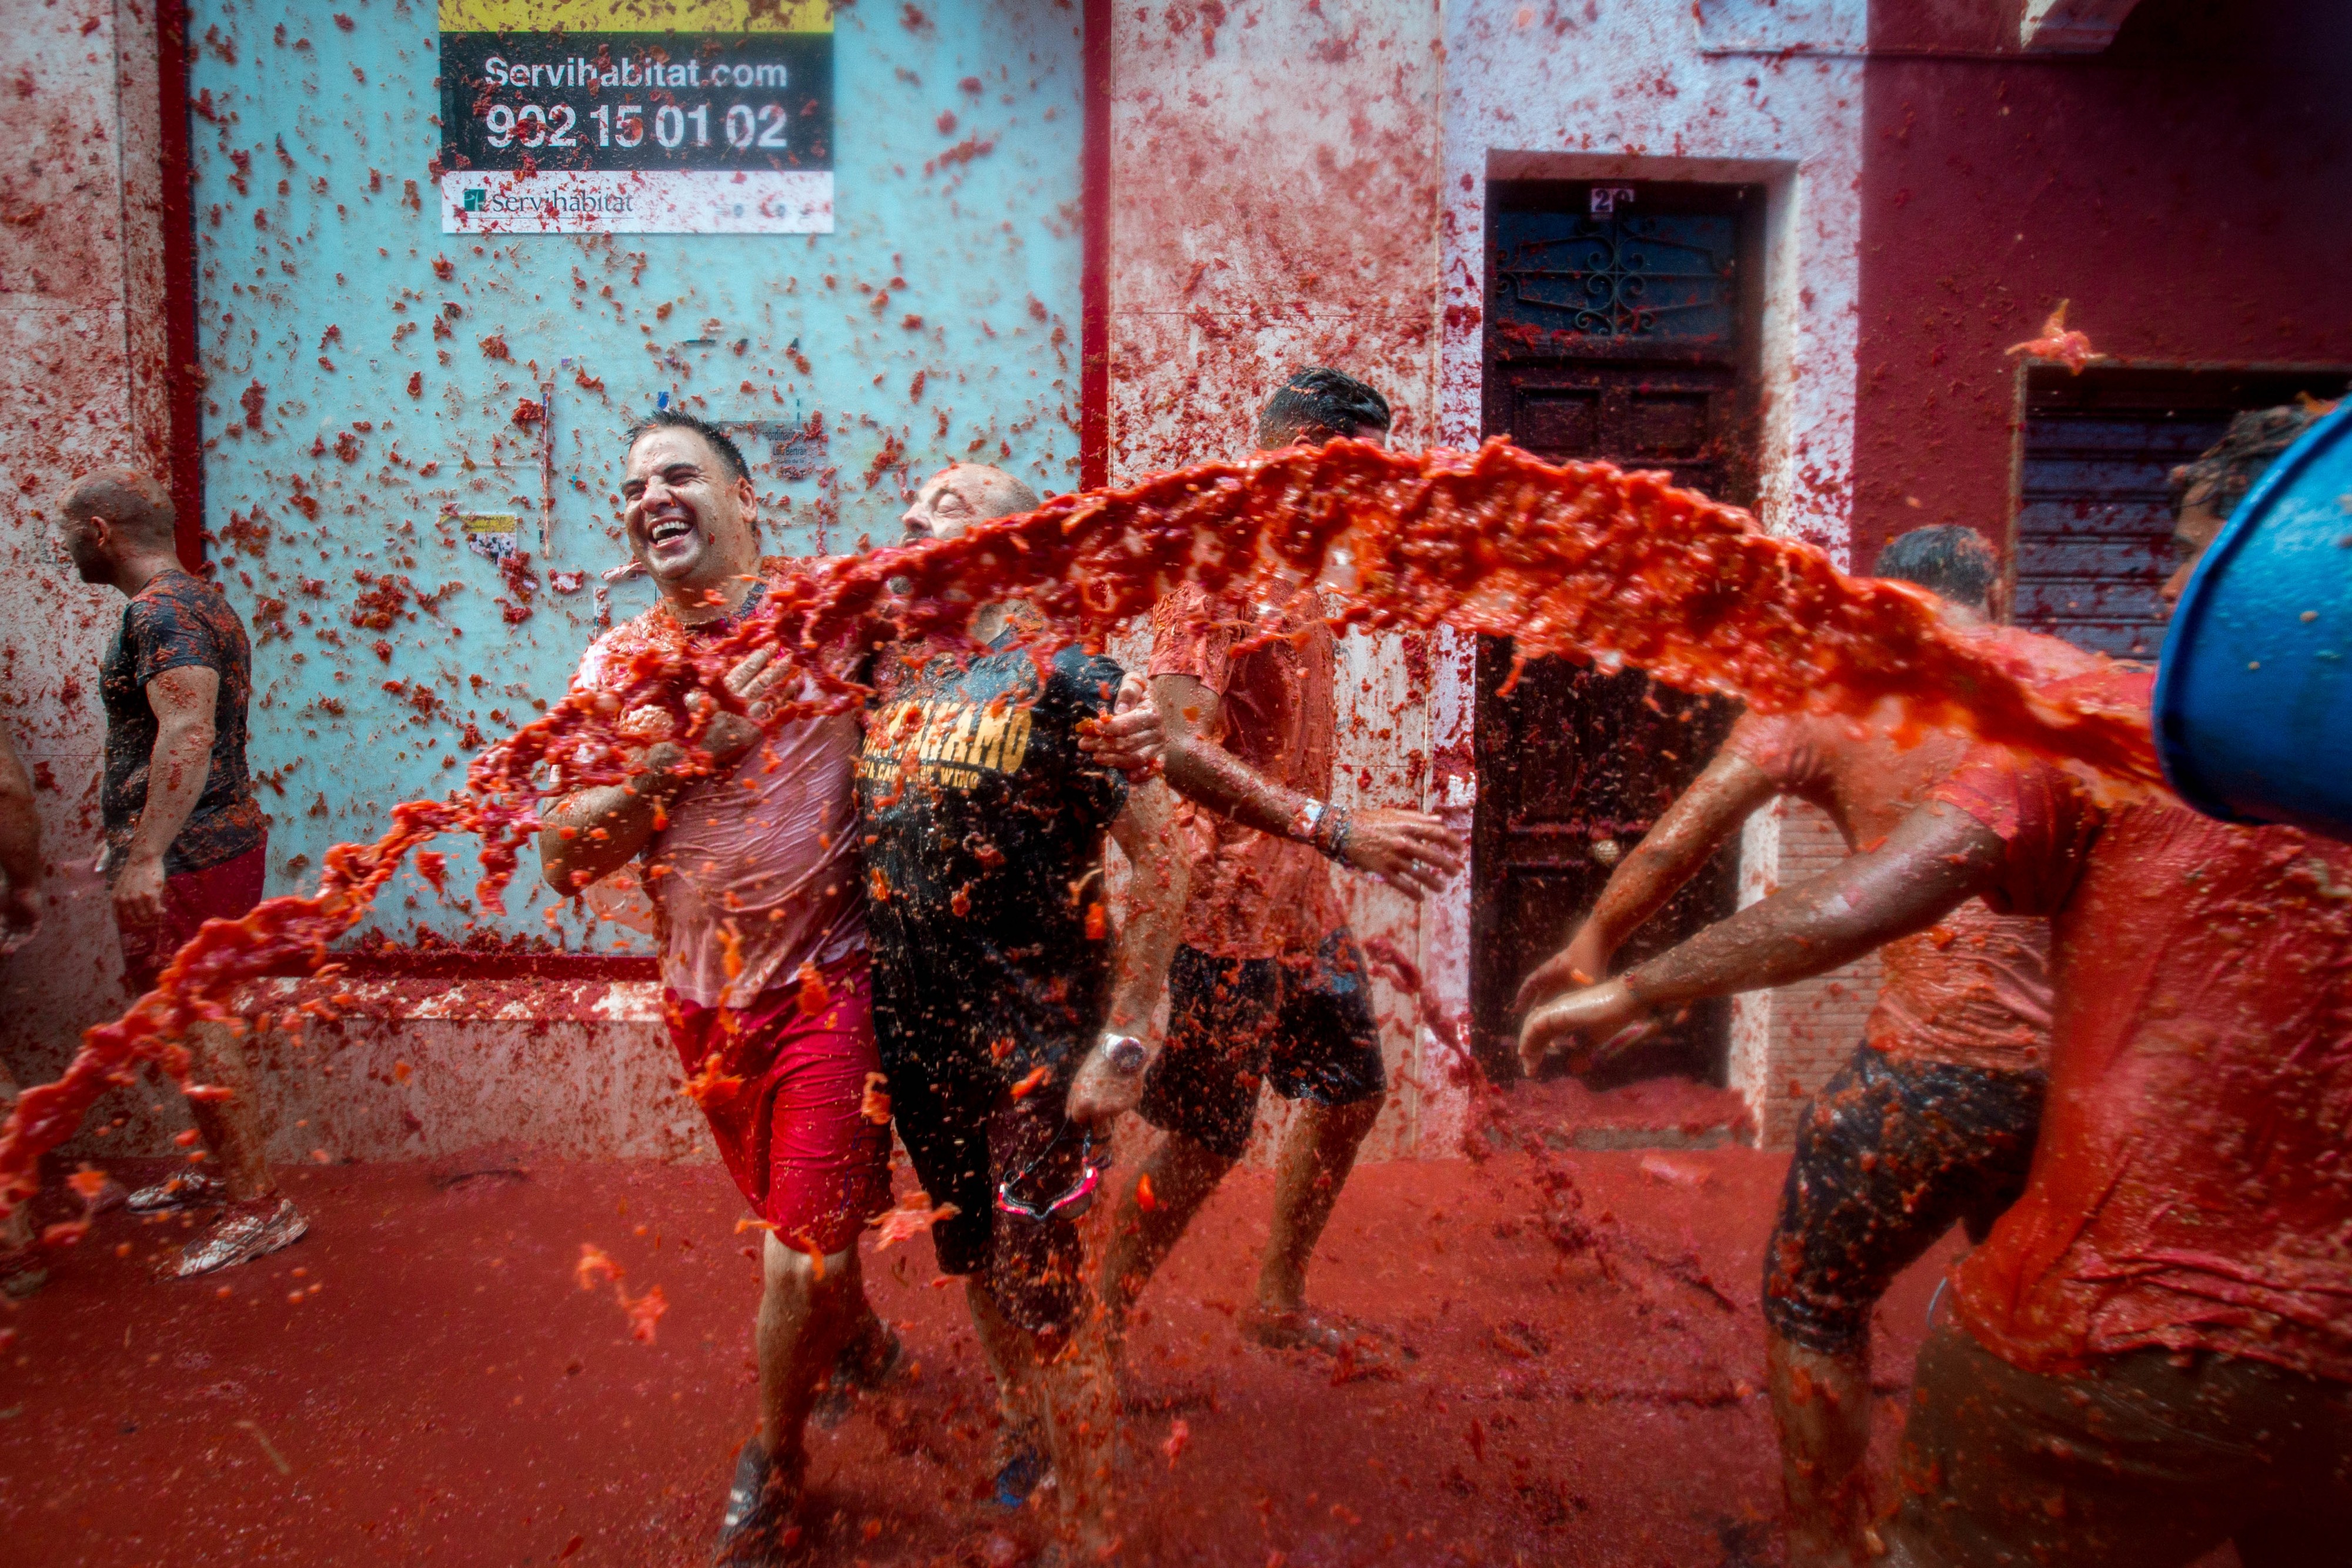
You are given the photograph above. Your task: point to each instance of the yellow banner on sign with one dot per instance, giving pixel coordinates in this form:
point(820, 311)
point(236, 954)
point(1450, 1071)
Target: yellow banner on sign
point(637, 15)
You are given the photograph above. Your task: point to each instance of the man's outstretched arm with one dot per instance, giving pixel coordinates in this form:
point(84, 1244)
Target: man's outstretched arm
point(1412, 851)
point(1935, 859)
point(1676, 846)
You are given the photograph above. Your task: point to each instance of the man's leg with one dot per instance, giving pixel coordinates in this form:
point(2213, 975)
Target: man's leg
point(231, 1128)
point(1037, 1318)
point(803, 1323)
point(1888, 1158)
point(1203, 1096)
point(1821, 1403)
point(1316, 1156)
point(826, 1170)
point(1326, 1054)
point(1180, 1173)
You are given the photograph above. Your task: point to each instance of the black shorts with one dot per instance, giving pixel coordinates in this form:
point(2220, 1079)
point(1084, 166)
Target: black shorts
point(967, 1133)
point(1306, 1023)
point(1889, 1155)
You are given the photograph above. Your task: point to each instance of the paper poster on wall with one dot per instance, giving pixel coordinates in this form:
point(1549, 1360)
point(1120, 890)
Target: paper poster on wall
point(637, 117)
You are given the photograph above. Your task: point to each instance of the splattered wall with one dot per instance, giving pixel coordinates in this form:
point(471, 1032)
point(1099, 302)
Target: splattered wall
point(412, 436)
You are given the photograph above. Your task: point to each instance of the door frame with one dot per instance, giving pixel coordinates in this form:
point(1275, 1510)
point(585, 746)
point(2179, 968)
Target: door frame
point(1751, 199)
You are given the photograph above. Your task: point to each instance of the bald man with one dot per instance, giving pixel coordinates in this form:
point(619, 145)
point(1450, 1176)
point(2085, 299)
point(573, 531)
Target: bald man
point(1015, 1022)
point(185, 839)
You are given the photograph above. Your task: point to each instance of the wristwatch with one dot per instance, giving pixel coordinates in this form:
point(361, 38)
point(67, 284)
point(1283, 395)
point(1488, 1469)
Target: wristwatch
point(1304, 826)
point(1125, 1054)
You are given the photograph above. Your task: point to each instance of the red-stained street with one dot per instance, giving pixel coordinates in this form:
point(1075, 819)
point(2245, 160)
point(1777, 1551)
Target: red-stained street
point(448, 1394)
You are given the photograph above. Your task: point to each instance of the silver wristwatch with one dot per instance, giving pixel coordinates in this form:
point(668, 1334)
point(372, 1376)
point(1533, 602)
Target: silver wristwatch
point(1125, 1054)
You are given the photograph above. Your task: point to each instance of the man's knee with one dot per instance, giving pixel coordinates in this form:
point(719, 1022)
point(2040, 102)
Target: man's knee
point(789, 1274)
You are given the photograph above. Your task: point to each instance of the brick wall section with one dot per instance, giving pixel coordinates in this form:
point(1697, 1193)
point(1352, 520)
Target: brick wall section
point(1806, 1030)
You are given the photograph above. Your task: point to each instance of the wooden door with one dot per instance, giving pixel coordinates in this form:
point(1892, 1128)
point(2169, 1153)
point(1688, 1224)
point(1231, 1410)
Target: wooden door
point(1621, 324)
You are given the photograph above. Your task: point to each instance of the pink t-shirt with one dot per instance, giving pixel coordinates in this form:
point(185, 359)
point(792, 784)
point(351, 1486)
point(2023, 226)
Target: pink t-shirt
point(762, 857)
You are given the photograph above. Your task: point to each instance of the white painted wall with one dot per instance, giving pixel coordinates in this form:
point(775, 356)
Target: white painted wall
point(82, 318)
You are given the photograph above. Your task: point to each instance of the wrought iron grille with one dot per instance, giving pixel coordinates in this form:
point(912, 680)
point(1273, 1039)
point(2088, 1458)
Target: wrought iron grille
point(1647, 276)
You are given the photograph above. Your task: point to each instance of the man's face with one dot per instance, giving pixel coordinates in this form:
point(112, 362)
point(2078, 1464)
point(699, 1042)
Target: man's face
point(950, 502)
point(79, 537)
point(2193, 532)
point(688, 523)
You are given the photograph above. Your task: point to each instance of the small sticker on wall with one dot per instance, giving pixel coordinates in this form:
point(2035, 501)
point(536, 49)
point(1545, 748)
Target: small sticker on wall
point(490, 535)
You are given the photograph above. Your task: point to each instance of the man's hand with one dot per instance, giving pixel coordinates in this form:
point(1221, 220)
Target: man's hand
point(1412, 851)
point(1583, 962)
point(1101, 1094)
point(139, 891)
point(729, 736)
point(1595, 1017)
point(1131, 737)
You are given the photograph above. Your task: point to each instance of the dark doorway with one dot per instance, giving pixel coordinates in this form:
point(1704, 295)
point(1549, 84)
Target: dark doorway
point(1621, 322)
point(2093, 540)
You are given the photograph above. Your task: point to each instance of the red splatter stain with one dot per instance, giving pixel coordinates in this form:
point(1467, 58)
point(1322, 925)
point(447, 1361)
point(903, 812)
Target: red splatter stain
point(254, 398)
point(892, 456)
point(963, 151)
point(528, 414)
point(494, 347)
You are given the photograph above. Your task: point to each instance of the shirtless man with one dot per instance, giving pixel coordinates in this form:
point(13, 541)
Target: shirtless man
point(1268, 983)
point(1014, 1024)
point(751, 861)
point(185, 839)
point(2152, 1352)
point(1932, 1121)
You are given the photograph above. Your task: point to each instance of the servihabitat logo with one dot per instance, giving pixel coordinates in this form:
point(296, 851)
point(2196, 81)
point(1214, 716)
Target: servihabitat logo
point(476, 199)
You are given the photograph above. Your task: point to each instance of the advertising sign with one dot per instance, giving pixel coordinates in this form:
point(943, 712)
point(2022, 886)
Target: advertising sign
point(637, 117)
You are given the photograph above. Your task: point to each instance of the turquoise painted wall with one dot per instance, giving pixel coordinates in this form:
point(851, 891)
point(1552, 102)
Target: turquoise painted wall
point(390, 360)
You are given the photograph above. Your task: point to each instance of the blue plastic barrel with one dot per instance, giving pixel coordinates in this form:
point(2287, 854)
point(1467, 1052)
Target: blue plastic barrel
point(2253, 692)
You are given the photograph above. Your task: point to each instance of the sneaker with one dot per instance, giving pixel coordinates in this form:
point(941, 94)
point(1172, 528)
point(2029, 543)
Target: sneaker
point(1018, 1477)
point(190, 1190)
point(756, 1530)
point(248, 1230)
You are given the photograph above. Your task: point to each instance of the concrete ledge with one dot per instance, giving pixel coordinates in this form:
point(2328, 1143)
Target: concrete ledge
point(426, 1069)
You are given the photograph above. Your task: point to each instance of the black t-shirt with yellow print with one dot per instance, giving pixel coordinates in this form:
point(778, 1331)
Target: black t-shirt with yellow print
point(983, 825)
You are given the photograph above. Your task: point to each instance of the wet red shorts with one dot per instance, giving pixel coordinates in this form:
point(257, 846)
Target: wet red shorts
point(224, 892)
point(792, 1130)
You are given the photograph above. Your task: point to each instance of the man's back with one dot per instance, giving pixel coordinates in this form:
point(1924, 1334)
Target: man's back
point(2190, 1190)
point(1255, 896)
point(1973, 990)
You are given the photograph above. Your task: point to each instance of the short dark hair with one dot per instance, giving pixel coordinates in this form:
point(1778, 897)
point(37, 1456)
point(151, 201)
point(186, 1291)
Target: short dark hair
point(133, 502)
point(1952, 562)
point(674, 419)
point(1319, 397)
point(2222, 475)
